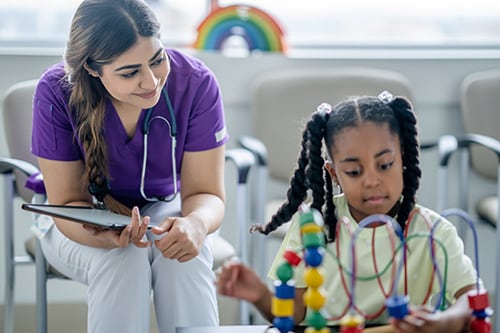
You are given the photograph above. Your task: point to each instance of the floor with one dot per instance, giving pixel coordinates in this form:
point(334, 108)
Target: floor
point(71, 318)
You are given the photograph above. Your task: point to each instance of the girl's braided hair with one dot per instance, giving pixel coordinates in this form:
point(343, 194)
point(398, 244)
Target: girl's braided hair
point(323, 126)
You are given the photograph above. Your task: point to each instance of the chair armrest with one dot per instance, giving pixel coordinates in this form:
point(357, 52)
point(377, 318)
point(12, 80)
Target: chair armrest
point(447, 145)
point(8, 165)
point(483, 140)
point(256, 147)
point(243, 160)
point(259, 194)
point(34, 180)
point(428, 145)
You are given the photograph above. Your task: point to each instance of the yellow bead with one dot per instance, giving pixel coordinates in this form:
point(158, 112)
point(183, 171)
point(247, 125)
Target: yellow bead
point(314, 298)
point(313, 277)
point(351, 321)
point(282, 307)
point(313, 330)
point(310, 228)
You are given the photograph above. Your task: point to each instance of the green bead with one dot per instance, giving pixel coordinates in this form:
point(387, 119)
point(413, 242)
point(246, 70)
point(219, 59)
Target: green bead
point(315, 239)
point(306, 217)
point(284, 272)
point(311, 216)
point(316, 319)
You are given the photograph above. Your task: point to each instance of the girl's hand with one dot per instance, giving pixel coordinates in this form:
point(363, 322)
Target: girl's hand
point(419, 320)
point(132, 233)
point(234, 279)
point(423, 320)
point(184, 239)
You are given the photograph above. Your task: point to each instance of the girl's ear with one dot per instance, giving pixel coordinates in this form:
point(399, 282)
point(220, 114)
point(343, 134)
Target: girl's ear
point(329, 166)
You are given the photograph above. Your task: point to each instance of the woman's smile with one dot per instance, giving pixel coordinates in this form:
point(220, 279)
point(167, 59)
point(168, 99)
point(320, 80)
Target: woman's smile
point(148, 95)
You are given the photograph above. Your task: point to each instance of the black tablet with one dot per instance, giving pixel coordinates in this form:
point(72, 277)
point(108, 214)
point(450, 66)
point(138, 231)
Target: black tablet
point(157, 211)
point(83, 214)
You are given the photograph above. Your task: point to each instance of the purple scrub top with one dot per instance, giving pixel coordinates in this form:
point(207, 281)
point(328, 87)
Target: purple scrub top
point(197, 104)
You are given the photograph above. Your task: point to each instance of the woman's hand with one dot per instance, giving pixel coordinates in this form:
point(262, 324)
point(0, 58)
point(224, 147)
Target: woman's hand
point(132, 233)
point(184, 239)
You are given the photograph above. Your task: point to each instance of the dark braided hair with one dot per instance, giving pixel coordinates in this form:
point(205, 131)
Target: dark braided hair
point(323, 126)
point(296, 194)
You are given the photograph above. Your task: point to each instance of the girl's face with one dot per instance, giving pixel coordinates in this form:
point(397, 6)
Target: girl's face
point(367, 165)
point(134, 79)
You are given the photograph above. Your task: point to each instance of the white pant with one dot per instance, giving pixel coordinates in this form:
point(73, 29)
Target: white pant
point(120, 282)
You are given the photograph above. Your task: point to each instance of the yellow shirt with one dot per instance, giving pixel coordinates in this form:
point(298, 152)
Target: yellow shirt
point(369, 296)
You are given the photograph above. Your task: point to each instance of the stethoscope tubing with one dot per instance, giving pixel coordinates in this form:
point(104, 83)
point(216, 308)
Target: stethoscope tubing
point(173, 136)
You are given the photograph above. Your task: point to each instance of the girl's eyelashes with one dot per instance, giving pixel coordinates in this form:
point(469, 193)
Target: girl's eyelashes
point(386, 166)
point(358, 171)
point(353, 173)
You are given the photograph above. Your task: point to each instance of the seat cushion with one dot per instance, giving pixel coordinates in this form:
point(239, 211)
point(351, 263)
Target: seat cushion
point(487, 209)
point(30, 246)
point(223, 250)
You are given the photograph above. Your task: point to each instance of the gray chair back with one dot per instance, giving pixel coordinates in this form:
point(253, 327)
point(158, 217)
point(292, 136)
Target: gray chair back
point(283, 100)
point(480, 106)
point(17, 115)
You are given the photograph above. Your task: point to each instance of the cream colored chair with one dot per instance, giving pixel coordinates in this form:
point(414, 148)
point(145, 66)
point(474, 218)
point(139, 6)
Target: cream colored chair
point(478, 150)
point(463, 145)
point(20, 168)
point(480, 105)
point(281, 102)
point(480, 108)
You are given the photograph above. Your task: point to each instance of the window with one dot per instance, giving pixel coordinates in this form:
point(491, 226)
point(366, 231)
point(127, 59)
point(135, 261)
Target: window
point(307, 24)
point(319, 23)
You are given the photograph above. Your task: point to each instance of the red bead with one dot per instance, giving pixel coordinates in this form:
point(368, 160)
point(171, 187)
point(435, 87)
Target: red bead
point(481, 326)
point(478, 300)
point(351, 330)
point(292, 258)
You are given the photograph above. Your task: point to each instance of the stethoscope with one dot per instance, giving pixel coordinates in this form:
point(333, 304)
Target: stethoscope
point(172, 125)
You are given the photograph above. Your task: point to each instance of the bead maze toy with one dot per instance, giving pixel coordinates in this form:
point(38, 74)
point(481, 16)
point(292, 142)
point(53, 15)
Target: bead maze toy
point(352, 320)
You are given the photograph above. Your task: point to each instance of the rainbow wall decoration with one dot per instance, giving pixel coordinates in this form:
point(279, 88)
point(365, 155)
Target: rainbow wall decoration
point(259, 29)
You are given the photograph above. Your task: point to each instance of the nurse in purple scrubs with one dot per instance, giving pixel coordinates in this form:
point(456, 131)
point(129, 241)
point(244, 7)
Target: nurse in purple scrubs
point(125, 123)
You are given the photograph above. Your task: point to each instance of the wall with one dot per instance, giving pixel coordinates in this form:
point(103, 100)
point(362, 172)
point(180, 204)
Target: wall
point(435, 78)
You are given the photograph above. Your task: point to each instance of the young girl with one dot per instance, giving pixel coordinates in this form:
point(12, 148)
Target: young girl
point(374, 161)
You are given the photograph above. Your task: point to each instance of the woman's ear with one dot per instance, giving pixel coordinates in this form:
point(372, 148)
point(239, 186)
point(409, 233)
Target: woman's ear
point(90, 71)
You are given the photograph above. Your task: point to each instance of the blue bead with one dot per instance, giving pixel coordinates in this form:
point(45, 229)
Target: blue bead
point(284, 290)
point(313, 256)
point(284, 324)
point(397, 306)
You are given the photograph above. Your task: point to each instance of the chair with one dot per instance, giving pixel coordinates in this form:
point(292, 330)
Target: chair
point(480, 111)
point(281, 102)
point(480, 108)
point(448, 145)
point(20, 168)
